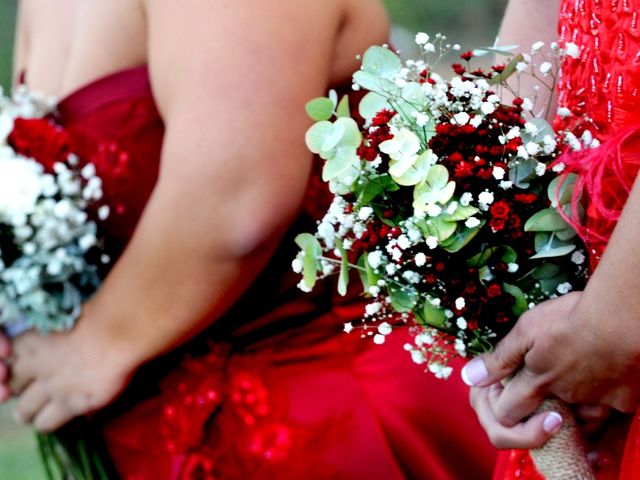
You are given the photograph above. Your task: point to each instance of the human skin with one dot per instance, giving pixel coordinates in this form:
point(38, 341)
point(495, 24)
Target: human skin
point(583, 348)
point(230, 79)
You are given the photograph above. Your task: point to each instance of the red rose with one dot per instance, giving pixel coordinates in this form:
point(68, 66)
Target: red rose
point(497, 224)
point(41, 140)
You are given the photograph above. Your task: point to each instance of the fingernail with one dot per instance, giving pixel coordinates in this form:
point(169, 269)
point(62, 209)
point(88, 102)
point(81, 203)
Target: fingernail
point(474, 372)
point(552, 422)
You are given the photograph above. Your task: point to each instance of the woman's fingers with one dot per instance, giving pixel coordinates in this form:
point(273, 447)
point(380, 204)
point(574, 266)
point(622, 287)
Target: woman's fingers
point(533, 433)
point(519, 398)
point(30, 403)
point(53, 416)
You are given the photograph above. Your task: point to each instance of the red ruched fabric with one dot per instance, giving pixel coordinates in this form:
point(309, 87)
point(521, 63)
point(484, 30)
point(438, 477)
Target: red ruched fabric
point(274, 390)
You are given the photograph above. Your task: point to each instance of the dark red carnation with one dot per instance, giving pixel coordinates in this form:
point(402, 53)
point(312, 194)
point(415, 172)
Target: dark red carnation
point(500, 209)
point(466, 56)
point(494, 290)
point(526, 198)
point(383, 117)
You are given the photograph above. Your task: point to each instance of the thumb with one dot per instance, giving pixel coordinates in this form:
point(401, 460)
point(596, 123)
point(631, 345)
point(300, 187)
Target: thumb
point(506, 358)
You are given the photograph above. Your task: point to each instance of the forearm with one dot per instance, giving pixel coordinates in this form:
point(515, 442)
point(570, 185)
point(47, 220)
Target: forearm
point(179, 273)
point(614, 288)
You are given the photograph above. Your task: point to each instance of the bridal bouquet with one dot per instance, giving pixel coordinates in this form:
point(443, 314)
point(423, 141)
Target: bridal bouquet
point(448, 200)
point(52, 252)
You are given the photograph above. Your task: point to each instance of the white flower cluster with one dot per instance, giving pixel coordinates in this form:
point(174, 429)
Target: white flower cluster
point(45, 232)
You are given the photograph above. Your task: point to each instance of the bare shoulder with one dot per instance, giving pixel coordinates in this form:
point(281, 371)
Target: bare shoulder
point(322, 37)
point(365, 23)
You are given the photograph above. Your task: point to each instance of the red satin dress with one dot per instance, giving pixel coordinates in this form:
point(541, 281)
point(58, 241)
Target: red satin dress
point(275, 389)
point(603, 84)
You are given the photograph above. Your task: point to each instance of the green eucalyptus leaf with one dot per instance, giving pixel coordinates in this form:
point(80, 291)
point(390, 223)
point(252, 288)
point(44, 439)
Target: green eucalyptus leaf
point(441, 229)
point(404, 298)
point(546, 271)
point(320, 109)
point(368, 276)
point(371, 104)
point(381, 62)
point(521, 305)
point(560, 189)
point(433, 316)
point(554, 252)
point(566, 234)
point(509, 69)
point(547, 220)
point(374, 83)
point(317, 135)
point(343, 278)
point(344, 160)
point(462, 212)
point(343, 110)
point(521, 172)
point(312, 251)
point(461, 238)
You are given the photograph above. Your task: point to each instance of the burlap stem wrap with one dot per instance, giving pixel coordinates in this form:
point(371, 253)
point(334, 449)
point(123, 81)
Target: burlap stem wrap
point(563, 457)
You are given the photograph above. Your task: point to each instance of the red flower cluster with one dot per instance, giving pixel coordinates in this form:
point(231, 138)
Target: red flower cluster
point(375, 136)
point(40, 139)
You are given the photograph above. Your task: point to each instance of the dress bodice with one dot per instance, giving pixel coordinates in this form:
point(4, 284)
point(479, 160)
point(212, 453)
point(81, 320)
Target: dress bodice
point(114, 124)
point(604, 81)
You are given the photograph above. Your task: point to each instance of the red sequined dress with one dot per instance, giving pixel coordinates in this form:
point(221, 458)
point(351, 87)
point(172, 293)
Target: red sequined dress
point(603, 85)
point(274, 390)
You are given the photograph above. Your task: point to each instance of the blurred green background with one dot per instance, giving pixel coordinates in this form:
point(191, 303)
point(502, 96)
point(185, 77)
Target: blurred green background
point(468, 22)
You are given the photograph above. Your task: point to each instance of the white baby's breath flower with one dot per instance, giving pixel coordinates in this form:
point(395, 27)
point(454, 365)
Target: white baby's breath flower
point(513, 267)
point(432, 242)
point(527, 104)
point(461, 323)
point(378, 339)
point(564, 288)
point(572, 50)
point(498, 173)
point(364, 213)
point(578, 257)
point(420, 259)
point(385, 328)
point(422, 38)
point(348, 327)
point(472, 222)
point(466, 198)
point(375, 259)
point(541, 169)
point(545, 68)
point(487, 108)
point(536, 47)
point(460, 303)
point(296, 265)
point(485, 199)
point(461, 118)
point(506, 184)
point(564, 112)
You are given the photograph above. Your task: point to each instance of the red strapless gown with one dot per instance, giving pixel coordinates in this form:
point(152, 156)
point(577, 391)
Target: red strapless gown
point(274, 389)
point(603, 84)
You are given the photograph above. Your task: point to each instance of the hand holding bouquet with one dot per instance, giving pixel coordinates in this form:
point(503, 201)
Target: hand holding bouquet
point(53, 253)
point(449, 200)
